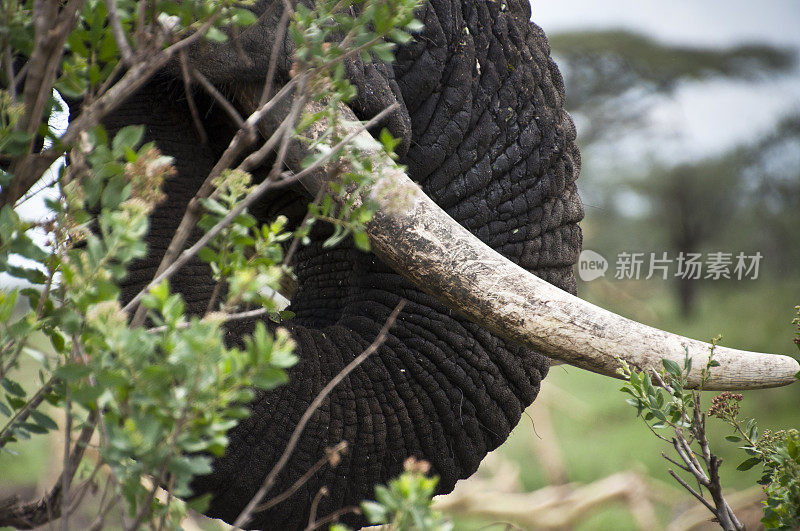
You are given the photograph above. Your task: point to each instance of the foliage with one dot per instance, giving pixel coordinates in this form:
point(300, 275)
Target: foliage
point(778, 453)
point(743, 199)
point(162, 396)
point(324, 38)
point(667, 404)
point(405, 503)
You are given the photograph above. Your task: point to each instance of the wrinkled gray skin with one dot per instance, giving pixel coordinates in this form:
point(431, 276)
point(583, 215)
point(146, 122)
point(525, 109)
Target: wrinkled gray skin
point(485, 134)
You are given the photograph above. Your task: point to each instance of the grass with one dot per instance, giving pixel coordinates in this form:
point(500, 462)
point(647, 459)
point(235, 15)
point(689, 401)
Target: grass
point(599, 434)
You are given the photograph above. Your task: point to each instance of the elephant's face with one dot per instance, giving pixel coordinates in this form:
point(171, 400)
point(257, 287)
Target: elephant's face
point(488, 139)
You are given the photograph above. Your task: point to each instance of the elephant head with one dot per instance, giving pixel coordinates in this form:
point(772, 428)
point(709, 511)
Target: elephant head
point(486, 137)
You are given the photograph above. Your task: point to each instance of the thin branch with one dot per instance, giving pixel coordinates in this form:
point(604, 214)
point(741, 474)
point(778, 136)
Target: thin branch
point(291, 177)
point(277, 46)
point(332, 517)
point(25, 412)
point(8, 61)
point(66, 480)
point(186, 255)
point(674, 462)
point(323, 394)
point(187, 87)
point(237, 144)
point(226, 105)
point(692, 491)
point(283, 496)
point(256, 193)
point(312, 513)
point(30, 167)
point(119, 34)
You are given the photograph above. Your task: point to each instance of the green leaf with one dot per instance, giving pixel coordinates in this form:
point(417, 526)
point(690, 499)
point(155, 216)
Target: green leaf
point(671, 367)
point(12, 387)
point(748, 464)
point(200, 503)
point(128, 137)
point(733, 438)
point(73, 371)
point(242, 17)
point(8, 301)
point(43, 420)
point(361, 240)
point(215, 35)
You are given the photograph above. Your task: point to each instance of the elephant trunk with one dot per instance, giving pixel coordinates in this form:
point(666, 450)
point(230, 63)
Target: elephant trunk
point(419, 240)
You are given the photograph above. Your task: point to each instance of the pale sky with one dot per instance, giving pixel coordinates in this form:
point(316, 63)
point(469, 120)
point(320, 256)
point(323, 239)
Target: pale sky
point(706, 22)
point(701, 118)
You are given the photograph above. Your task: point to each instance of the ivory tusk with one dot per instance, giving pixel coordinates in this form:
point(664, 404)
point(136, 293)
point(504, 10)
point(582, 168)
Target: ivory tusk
point(415, 237)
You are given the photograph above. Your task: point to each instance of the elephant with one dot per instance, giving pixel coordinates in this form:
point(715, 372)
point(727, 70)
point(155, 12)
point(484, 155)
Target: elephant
point(485, 134)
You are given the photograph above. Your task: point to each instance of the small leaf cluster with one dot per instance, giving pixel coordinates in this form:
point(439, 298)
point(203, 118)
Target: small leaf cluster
point(248, 257)
point(324, 37)
point(405, 503)
point(782, 468)
point(777, 452)
point(168, 398)
point(665, 407)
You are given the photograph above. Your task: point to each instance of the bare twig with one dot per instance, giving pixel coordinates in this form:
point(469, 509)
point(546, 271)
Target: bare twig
point(283, 496)
point(8, 65)
point(218, 97)
point(323, 394)
point(332, 517)
point(116, 30)
point(277, 46)
point(66, 480)
point(312, 513)
point(187, 87)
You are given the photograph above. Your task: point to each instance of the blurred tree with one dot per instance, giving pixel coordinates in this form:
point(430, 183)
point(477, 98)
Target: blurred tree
point(613, 78)
point(609, 74)
point(771, 196)
point(692, 206)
